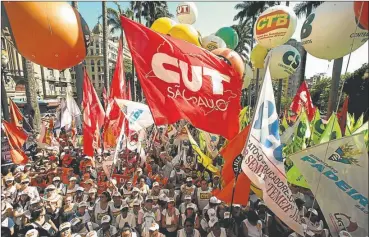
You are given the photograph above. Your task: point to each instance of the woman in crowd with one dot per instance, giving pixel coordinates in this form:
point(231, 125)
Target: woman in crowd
point(68, 210)
point(102, 207)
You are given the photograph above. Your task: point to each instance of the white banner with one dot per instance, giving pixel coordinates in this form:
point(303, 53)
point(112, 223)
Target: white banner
point(138, 114)
point(343, 189)
point(263, 162)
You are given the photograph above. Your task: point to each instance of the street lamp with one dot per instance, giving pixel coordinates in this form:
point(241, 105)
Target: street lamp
point(4, 96)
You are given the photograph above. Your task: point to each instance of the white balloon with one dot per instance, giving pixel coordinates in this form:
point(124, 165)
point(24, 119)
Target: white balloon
point(275, 26)
point(248, 76)
point(212, 42)
point(283, 61)
point(187, 13)
point(328, 33)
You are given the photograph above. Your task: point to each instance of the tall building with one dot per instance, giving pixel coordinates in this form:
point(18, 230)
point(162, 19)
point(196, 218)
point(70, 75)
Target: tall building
point(292, 84)
point(314, 79)
point(51, 84)
point(94, 61)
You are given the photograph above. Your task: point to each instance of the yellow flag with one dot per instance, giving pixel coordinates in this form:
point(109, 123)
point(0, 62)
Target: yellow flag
point(243, 118)
point(202, 158)
point(332, 130)
point(317, 128)
point(258, 192)
point(284, 125)
point(202, 141)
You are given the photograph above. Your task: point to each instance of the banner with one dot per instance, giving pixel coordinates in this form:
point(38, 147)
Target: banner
point(342, 176)
point(263, 162)
point(202, 158)
point(211, 142)
point(183, 81)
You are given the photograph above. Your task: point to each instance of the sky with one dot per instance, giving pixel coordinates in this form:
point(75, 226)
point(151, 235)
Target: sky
point(214, 15)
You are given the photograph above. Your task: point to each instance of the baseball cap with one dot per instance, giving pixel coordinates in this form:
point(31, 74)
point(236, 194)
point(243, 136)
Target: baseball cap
point(170, 199)
point(139, 169)
point(136, 203)
point(105, 219)
point(155, 184)
point(154, 227)
point(236, 205)
point(88, 157)
point(191, 205)
point(91, 234)
point(73, 179)
point(56, 178)
point(81, 189)
point(312, 210)
point(213, 221)
point(75, 221)
point(32, 233)
point(214, 200)
point(116, 194)
point(189, 179)
point(148, 198)
point(135, 189)
point(82, 204)
point(64, 226)
point(51, 187)
point(187, 197)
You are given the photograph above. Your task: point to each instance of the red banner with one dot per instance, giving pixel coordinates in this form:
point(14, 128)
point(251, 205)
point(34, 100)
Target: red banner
point(183, 81)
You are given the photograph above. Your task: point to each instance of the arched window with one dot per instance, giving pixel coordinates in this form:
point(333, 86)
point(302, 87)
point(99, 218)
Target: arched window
point(92, 62)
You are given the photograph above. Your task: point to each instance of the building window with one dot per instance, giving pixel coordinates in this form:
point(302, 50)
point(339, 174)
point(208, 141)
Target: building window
point(52, 89)
point(62, 74)
point(92, 69)
point(99, 85)
point(51, 73)
point(92, 62)
point(91, 51)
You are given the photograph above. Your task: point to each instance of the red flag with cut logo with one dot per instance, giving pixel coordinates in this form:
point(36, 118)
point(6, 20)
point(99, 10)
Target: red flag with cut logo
point(16, 139)
point(183, 81)
point(15, 114)
point(93, 115)
point(303, 100)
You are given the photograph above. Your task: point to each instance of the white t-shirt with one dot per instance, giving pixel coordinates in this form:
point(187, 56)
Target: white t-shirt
point(254, 231)
point(99, 213)
point(130, 219)
point(115, 211)
point(168, 220)
point(223, 233)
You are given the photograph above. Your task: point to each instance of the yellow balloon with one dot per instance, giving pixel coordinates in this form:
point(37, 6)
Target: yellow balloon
point(258, 55)
point(163, 25)
point(187, 33)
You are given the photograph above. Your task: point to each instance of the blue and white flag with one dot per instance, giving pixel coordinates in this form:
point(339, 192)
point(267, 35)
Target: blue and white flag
point(263, 161)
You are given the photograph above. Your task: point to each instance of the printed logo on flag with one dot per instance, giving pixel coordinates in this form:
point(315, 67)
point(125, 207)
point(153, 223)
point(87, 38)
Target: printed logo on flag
point(345, 155)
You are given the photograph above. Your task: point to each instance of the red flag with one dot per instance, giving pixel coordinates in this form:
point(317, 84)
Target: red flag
point(16, 140)
point(15, 114)
point(93, 115)
point(182, 81)
point(303, 99)
point(118, 83)
point(342, 116)
point(241, 194)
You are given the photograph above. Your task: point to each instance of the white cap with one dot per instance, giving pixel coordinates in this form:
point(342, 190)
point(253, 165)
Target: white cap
point(191, 205)
point(227, 214)
point(236, 205)
point(56, 178)
point(261, 203)
point(92, 190)
point(9, 178)
point(155, 184)
point(64, 226)
point(80, 189)
point(75, 221)
point(34, 201)
point(82, 204)
point(91, 234)
point(32, 233)
point(189, 179)
point(66, 148)
point(116, 194)
point(135, 189)
point(213, 221)
point(344, 233)
point(51, 186)
point(312, 210)
point(170, 199)
point(154, 227)
point(88, 157)
point(214, 200)
point(162, 197)
point(73, 179)
point(187, 197)
point(149, 198)
point(105, 219)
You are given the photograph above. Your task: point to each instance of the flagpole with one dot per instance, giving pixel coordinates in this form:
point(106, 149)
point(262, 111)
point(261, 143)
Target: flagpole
point(247, 138)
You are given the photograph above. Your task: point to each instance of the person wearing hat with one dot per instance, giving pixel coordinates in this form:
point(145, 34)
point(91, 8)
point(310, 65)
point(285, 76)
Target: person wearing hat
point(21, 210)
point(80, 195)
point(128, 231)
point(216, 230)
point(65, 230)
point(7, 214)
point(202, 195)
point(87, 160)
point(92, 197)
point(82, 212)
point(106, 229)
point(147, 216)
point(127, 189)
point(189, 229)
point(190, 212)
point(72, 186)
point(125, 217)
point(91, 234)
point(314, 226)
point(264, 216)
point(135, 196)
point(187, 189)
point(32, 191)
point(81, 228)
point(183, 206)
point(213, 204)
point(58, 184)
point(170, 218)
point(155, 191)
point(115, 206)
point(9, 186)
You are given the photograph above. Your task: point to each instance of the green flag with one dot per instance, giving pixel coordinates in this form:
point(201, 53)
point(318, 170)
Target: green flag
point(302, 133)
point(350, 122)
point(243, 118)
point(283, 126)
point(317, 128)
point(332, 130)
point(295, 177)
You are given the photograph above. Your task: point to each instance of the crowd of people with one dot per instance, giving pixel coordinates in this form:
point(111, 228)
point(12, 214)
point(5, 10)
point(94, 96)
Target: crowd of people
point(66, 193)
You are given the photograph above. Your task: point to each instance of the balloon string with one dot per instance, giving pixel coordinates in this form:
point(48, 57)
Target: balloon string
point(335, 117)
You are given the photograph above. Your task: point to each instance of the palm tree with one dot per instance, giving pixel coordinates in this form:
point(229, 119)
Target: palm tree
point(245, 35)
point(105, 46)
point(33, 110)
point(153, 10)
point(304, 9)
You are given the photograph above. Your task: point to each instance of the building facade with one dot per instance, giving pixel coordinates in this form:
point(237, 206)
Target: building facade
point(94, 61)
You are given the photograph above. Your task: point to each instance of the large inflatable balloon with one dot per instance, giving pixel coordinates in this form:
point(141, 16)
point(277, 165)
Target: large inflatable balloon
point(232, 58)
point(229, 35)
point(283, 61)
point(361, 13)
point(163, 25)
point(330, 32)
point(258, 55)
point(212, 42)
point(187, 13)
point(187, 33)
point(51, 34)
point(248, 74)
point(275, 26)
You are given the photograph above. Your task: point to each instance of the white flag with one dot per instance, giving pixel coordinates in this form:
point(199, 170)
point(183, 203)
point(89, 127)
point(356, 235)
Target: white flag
point(340, 168)
point(263, 162)
point(138, 114)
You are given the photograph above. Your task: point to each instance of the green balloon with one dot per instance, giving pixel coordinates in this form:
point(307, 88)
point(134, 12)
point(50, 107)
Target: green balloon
point(229, 35)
